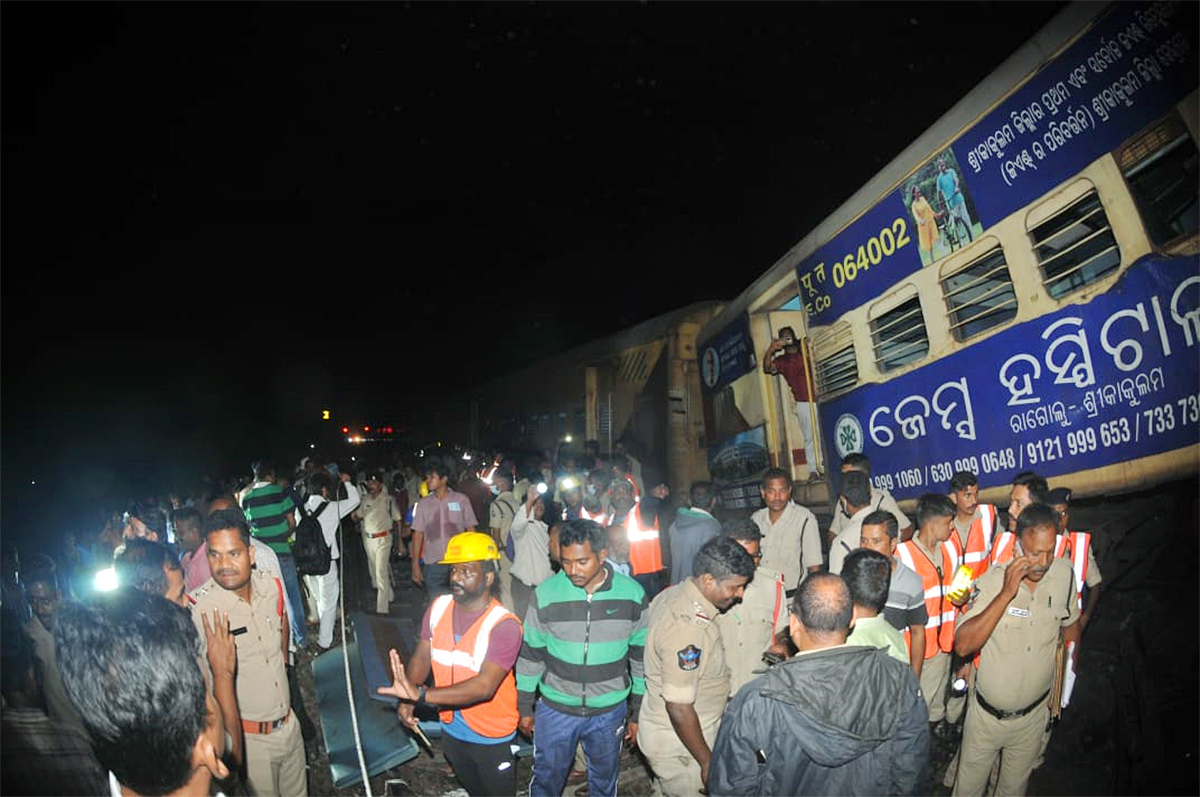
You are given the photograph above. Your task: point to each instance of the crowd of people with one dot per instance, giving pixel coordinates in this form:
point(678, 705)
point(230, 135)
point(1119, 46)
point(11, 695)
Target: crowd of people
point(566, 603)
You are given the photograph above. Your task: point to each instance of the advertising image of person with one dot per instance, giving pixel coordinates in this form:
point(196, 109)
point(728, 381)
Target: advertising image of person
point(927, 229)
point(951, 190)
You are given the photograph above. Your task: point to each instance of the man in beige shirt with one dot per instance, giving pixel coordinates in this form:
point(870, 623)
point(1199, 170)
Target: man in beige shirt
point(1014, 622)
point(687, 680)
point(791, 544)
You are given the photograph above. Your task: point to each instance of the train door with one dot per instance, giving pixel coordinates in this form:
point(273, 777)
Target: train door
point(793, 430)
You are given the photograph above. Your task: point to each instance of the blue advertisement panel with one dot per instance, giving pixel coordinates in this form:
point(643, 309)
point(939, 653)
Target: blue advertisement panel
point(727, 356)
point(1130, 68)
point(1089, 385)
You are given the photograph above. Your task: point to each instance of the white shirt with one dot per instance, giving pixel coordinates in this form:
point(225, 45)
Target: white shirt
point(531, 548)
point(848, 539)
point(332, 514)
point(880, 499)
point(791, 544)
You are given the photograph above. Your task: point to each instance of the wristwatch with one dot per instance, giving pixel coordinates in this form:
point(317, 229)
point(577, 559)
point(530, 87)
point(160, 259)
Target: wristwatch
point(421, 693)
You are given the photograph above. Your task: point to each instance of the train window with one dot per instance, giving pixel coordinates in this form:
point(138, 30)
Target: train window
point(899, 336)
point(1075, 247)
point(980, 295)
point(1160, 165)
point(833, 352)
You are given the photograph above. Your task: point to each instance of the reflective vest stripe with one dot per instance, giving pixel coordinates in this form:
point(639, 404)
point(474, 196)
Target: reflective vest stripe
point(1079, 542)
point(947, 617)
point(1003, 551)
point(941, 612)
point(454, 662)
point(979, 540)
point(600, 517)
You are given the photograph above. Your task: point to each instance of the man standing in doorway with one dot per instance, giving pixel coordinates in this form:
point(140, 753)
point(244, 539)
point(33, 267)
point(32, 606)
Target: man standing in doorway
point(784, 358)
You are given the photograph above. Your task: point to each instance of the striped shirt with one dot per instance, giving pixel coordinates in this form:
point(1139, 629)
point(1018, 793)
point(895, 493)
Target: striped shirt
point(583, 652)
point(267, 508)
point(906, 598)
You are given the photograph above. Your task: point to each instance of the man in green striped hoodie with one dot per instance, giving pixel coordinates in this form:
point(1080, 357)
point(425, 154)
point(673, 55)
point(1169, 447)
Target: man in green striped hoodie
point(271, 515)
point(584, 634)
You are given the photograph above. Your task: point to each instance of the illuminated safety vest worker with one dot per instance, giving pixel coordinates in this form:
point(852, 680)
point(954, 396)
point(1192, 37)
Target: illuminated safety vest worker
point(645, 551)
point(979, 540)
point(935, 559)
point(454, 662)
point(939, 628)
point(470, 643)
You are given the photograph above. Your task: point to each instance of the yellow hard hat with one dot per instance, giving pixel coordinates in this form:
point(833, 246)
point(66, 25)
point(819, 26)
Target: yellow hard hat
point(470, 546)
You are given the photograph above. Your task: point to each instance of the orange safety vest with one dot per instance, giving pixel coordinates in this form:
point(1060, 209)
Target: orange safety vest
point(1006, 548)
point(603, 518)
point(645, 553)
point(455, 662)
point(979, 540)
point(939, 628)
point(1078, 543)
point(637, 494)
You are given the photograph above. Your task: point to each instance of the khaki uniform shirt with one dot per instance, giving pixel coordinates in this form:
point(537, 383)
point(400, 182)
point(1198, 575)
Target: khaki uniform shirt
point(748, 628)
point(377, 512)
point(262, 684)
point(791, 544)
point(685, 663)
point(1016, 664)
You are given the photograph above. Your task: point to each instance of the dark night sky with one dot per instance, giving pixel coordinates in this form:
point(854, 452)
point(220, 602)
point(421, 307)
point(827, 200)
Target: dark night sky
point(221, 217)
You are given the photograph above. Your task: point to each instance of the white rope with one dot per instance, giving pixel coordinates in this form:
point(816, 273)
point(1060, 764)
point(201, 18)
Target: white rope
point(362, 762)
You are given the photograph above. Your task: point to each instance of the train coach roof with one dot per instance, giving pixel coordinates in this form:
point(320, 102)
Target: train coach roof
point(1006, 78)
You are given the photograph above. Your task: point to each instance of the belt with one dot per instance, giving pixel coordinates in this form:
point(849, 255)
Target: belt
point(377, 536)
point(250, 726)
point(1008, 715)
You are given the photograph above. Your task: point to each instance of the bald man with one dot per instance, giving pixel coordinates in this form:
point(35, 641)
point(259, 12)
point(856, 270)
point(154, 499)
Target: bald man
point(835, 719)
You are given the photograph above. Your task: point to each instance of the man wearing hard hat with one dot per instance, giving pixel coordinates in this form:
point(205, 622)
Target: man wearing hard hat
point(470, 642)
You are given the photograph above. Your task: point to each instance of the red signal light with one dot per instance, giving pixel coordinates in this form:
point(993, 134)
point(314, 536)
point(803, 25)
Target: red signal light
point(345, 430)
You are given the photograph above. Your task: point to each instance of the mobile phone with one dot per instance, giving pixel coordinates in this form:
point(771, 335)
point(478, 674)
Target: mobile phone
point(770, 658)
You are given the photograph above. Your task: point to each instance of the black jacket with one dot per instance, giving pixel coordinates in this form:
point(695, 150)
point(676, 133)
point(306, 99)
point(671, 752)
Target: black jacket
point(847, 720)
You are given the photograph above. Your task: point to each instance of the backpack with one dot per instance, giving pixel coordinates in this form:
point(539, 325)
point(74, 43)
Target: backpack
point(311, 552)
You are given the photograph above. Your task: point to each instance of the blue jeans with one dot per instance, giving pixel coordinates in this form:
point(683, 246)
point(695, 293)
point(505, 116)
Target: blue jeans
point(555, 736)
point(291, 583)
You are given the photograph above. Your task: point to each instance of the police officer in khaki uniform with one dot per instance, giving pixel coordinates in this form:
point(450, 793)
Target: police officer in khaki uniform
point(1015, 622)
point(254, 603)
point(687, 680)
point(754, 626)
